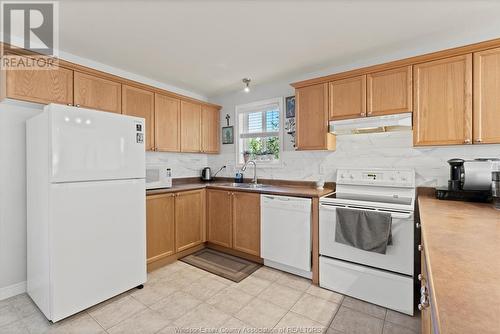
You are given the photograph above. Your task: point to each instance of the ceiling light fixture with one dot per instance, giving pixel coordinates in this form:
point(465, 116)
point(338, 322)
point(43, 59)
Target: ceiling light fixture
point(246, 81)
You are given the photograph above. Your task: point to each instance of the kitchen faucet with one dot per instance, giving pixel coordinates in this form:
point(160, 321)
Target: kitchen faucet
point(254, 181)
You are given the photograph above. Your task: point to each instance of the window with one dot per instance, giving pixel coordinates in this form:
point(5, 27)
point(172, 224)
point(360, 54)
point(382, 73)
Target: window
point(259, 132)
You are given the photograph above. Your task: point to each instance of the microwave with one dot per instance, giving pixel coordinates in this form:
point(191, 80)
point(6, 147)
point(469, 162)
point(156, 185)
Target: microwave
point(158, 177)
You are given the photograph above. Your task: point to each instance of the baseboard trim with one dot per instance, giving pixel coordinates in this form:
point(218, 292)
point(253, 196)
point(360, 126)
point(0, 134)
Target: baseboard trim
point(12, 290)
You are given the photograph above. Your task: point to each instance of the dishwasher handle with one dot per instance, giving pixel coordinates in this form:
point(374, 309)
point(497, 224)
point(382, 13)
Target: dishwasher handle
point(269, 201)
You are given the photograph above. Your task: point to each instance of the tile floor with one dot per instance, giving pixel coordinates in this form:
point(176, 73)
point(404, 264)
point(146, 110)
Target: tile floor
point(182, 299)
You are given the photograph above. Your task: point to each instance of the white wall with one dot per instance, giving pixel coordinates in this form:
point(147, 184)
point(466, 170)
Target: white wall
point(394, 150)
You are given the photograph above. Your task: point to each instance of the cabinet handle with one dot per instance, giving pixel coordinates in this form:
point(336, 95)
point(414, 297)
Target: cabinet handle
point(479, 140)
point(69, 104)
point(420, 248)
point(419, 277)
point(467, 141)
point(77, 105)
point(363, 114)
point(417, 225)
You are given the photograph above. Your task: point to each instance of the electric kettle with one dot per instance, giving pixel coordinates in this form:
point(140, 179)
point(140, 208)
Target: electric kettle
point(206, 174)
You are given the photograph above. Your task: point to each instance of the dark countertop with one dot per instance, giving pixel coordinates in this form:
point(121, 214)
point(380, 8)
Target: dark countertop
point(293, 188)
point(461, 243)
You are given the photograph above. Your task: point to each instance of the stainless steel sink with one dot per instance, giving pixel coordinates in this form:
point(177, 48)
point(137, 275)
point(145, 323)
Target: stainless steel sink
point(245, 185)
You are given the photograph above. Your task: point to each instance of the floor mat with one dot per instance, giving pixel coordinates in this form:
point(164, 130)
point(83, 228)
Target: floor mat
point(231, 267)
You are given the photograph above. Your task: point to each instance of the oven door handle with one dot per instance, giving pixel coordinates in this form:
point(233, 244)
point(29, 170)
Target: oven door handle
point(394, 214)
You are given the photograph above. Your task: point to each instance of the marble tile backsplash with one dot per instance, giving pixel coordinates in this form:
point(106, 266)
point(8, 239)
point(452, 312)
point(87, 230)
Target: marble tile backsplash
point(379, 150)
point(182, 164)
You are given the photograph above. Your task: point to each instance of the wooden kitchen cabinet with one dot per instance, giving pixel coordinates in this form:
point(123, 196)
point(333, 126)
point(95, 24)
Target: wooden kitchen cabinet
point(219, 215)
point(486, 115)
point(139, 102)
point(167, 123)
point(40, 86)
point(190, 127)
point(246, 222)
point(97, 93)
point(389, 92)
point(189, 219)
point(210, 119)
point(160, 226)
point(443, 101)
point(311, 117)
point(348, 98)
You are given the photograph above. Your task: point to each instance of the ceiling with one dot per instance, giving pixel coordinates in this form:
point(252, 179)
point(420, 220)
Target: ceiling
point(207, 47)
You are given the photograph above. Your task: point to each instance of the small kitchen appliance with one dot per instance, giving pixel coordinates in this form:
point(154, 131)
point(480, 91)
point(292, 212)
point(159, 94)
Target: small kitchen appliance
point(206, 173)
point(470, 180)
point(158, 177)
point(495, 188)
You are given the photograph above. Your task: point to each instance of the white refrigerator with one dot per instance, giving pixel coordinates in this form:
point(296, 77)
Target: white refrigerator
point(86, 208)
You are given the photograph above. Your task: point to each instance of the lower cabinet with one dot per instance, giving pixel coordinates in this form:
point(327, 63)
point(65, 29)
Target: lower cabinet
point(174, 222)
point(160, 224)
point(234, 220)
point(189, 219)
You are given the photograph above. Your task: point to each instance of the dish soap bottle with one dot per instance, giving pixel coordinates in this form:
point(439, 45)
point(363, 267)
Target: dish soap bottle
point(238, 178)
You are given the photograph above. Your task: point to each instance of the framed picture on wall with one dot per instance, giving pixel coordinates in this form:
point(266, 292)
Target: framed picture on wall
point(228, 135)
point(290, 106)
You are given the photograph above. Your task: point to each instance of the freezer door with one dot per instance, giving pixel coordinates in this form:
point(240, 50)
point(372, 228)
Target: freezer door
point(97, 243)
point(89, 145)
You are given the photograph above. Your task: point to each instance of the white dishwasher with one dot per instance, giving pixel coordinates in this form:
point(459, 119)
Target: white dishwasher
point(286, 233)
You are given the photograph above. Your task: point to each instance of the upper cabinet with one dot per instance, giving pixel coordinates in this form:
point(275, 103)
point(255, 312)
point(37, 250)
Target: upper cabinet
point(139, 102)
point(348, 98)
point(97, 93)
point(389, 92)
point(40, 86)
point(486, 117)
point(443, 101)
point(210, 119)
point(311, 116)
point(190, 127)
point(167, 123)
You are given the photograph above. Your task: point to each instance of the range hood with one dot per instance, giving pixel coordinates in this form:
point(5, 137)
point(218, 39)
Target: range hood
point(387, 123)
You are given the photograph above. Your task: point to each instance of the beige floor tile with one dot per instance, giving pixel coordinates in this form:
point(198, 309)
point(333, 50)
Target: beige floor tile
point(8, 314)
point(230, 300)
point(268, 273)
point(176, 305)
point(184, 277)
point(261, 314)
point(168, 269)
point(155, 290)
point(16, 327)
point(81, 323)
point(316, 308)
point(117, 311)
point(281, 295)
point(359, 305)
point(23, 305)
point(404, 320)
point(333, 331)
point(205, 287)
point(234, 326)
point(36, 323)
point(295, 282)
point(331, 296)
point(253, 285)
point(296, 323)
point(353, 322)
point(144, 322)
point(390, 328)
point(204, 316)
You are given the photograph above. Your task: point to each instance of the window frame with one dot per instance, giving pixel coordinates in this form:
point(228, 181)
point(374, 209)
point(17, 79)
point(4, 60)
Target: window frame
point(248, 107)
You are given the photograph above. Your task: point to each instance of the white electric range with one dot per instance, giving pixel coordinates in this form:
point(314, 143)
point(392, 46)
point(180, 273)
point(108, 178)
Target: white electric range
point(383, 279)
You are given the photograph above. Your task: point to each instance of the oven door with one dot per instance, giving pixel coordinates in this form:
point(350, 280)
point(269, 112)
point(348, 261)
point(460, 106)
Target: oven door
point(399, 255)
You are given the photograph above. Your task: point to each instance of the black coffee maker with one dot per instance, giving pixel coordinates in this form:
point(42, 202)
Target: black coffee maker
point(455, 190)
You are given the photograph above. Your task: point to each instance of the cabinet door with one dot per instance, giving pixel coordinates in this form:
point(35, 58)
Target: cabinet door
point(41, 86)
point(443, 102)
point(486, 116)
point(160, 218)
point(210, 129)
point(219, 217)
point(97, 93)
point(139, 102)
point(246, 222)
point(389, 92)
point(311, 117)
point(190, 127)
point(189, 219)
point(167, 123)
point(348, 98)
